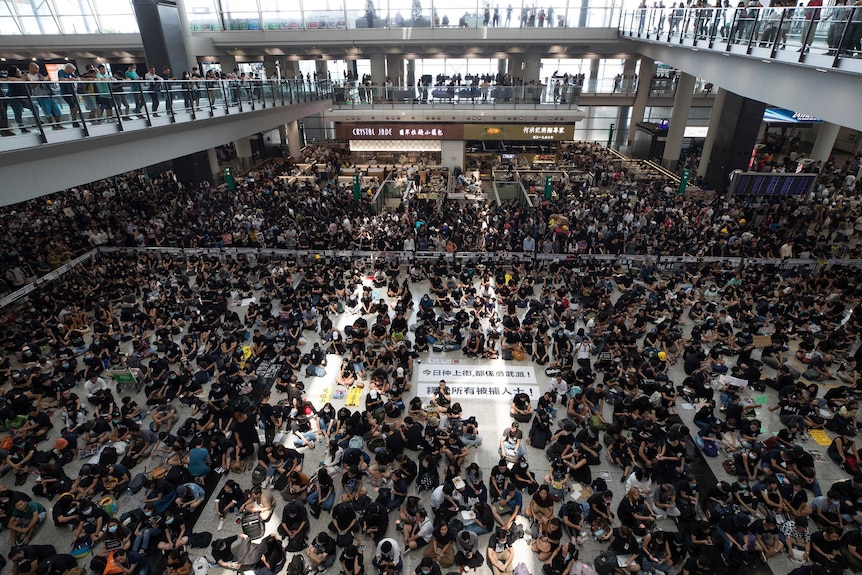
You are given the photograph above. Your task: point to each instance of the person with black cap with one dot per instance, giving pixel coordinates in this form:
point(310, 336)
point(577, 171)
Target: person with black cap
point(352, 561)
point(698, 566)
point(294, 526)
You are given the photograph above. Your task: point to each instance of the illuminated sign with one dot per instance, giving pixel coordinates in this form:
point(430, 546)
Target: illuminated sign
point(556, 133)
point(401, 131)
point(695, 132)
point(780, 115)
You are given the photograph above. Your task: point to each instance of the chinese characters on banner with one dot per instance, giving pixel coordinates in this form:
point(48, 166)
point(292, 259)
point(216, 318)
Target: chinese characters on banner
point(483, 391)
point(479, 381)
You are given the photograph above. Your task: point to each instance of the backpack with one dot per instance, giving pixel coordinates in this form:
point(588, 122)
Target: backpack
point(599, 485)
point(200, 566)
point(296, 565)
point(137, 482)
point(710, 449)
point(521, 569)
point(109, 505)
point(200, 540)
point(314, 371)
point(606, 562)
point(108, 456)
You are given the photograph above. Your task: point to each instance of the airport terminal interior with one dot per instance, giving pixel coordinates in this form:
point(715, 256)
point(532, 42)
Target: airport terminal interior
point(430, 287)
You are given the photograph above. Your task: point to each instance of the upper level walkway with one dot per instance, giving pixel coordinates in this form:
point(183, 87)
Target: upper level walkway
point(808, 60)
point(90, 130)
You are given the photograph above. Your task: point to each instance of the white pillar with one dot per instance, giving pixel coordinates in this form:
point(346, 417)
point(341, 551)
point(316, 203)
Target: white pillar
point(714, 121)
point(639, 106)
point(826, 136)
point(212, 156)
point(294, 146)
point(243, 151)
point(679, 118)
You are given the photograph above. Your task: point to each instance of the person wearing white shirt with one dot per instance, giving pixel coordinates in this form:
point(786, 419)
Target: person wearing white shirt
point(419, 535)
point(93, 386)
point(154, 88)
point(388, 554)
point(640, 478)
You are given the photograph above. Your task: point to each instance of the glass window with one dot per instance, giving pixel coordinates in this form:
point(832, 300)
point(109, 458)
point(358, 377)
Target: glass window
point(202, 15)
point(103, 7)
point(118, 24)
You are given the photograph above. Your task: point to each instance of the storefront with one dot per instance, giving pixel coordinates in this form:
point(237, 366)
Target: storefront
point(476, 147)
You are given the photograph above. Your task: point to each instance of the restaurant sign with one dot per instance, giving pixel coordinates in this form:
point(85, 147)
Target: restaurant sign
point(401, 131)
point(556, 133)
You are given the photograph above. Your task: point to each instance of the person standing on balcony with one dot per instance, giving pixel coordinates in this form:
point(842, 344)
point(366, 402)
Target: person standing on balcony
point(44, 95)
point(154, 87)
point(509, 15)
point(132, 76)
point(812, 18)
point(69, 89)
point(495, 20)
point(18, 100)
point(369, 13)
point(167, 76)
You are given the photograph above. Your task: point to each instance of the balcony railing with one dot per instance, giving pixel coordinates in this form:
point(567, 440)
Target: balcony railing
point(409, 14)
point(55, 112)
point(825, 36)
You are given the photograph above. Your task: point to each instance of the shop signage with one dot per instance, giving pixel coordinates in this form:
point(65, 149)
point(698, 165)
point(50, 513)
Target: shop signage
point(402, 131)
point(556, 133)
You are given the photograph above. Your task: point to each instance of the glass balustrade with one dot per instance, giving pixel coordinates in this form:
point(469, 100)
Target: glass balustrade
point(816, 35)
point(54, 112)
point(118, 16)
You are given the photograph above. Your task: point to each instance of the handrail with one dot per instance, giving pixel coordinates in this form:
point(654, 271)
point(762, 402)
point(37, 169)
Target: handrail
point(794, 33)
point(63, 111)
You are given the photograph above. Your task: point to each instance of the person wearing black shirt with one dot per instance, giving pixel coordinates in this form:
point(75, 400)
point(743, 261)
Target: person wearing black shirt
point(699, 565)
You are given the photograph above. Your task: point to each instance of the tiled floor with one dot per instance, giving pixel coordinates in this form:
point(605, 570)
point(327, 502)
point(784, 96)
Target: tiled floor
point(492, 413)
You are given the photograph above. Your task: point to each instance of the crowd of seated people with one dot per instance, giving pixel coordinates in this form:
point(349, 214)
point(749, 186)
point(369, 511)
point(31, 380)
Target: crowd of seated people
point(623, 347)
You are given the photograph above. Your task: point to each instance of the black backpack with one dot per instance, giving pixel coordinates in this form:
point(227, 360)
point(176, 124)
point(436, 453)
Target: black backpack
point(296, 565)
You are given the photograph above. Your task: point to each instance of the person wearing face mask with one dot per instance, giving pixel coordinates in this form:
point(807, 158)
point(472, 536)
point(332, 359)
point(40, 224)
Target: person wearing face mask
point(175, 535)
point(326, 421)
point(500, 554)
point(427, 567)
point(116, 536)
point(151, 527)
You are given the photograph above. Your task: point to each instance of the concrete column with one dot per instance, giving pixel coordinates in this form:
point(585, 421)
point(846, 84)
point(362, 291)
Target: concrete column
point(411, 73)
point(291, 70)
point(622, 122)
point(294, 146)
point(321, 67)
point(714, 123)
point(644, 83)
point(501, 66)
point(269, 66)
point(593, 78)
point(681, 108)
point(187, 34)
point(227, 63)
point(395, 69)
point(629, 71)
point(516, 67)
point(532, 68)
point(212, 156)
point(352, 69)
point(378, 68)
point(826, 136)
point(243, 151)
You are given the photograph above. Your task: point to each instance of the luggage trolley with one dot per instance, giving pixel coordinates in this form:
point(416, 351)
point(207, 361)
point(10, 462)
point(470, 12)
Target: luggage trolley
point(125, 377)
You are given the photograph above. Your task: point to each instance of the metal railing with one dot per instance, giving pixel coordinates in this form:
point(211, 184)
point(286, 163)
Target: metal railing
point(57, 112)
point(793, 34)
point(355, 94)
point(409, 14)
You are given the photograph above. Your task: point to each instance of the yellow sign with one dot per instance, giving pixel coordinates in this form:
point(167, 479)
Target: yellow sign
point(550, 132)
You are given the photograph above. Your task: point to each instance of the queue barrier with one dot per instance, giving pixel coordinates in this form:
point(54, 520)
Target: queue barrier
point(406, 257)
